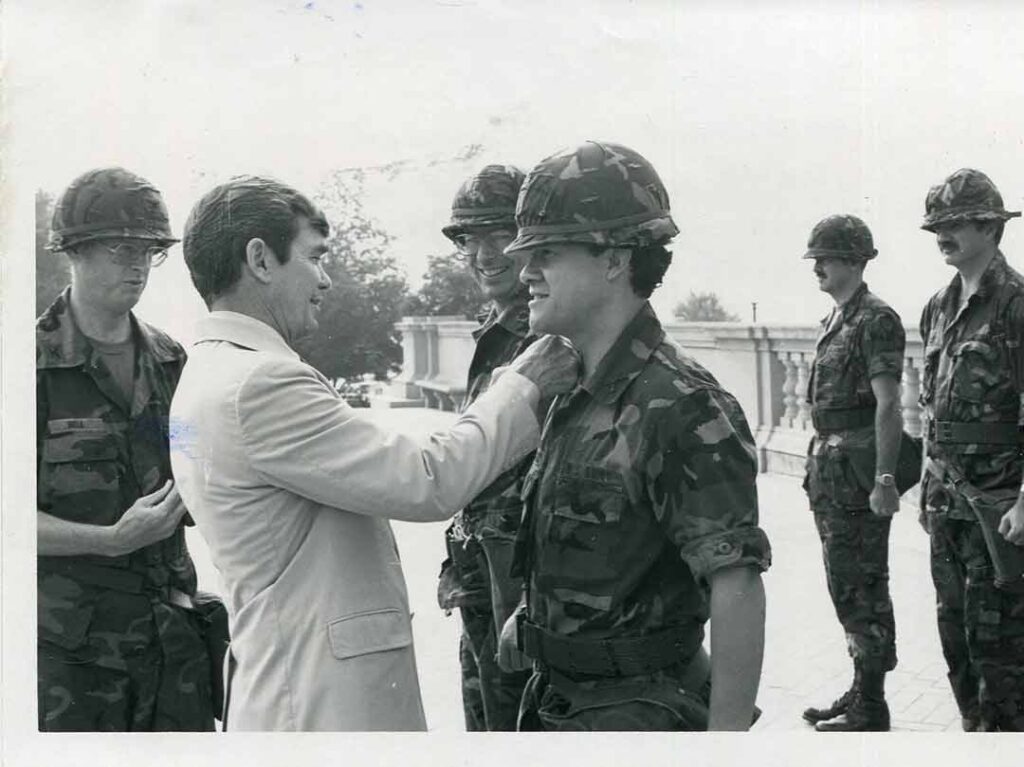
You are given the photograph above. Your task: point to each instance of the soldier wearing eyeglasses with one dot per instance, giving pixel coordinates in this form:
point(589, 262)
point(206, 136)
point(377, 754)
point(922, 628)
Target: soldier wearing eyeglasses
point(120, 644)
point(475, 578)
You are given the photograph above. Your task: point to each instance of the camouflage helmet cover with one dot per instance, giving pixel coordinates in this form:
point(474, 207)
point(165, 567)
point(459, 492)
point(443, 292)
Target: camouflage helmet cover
point(841, 236)
point(966, 195)
point(595, 194)
point(486, 199)
point(109, 202)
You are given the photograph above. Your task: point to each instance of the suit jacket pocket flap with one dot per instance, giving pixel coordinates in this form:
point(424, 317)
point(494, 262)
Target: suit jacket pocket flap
point(369, 632)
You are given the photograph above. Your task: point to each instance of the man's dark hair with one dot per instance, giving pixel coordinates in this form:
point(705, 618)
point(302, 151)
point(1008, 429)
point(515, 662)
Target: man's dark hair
point(224, 221)
point(647, 267)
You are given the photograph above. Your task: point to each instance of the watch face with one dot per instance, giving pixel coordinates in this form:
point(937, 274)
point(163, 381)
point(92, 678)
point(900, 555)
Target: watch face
point(886, 479)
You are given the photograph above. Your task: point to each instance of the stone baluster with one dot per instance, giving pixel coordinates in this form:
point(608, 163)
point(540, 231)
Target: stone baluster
point(789, 396)
point(911, 390)
point(803, 378)
point(432, 350)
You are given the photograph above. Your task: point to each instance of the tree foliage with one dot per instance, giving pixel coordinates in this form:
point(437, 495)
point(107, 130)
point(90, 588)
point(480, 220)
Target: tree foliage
point(53, 273)
point(448, 289)
point(703, 307)
point(357, 318)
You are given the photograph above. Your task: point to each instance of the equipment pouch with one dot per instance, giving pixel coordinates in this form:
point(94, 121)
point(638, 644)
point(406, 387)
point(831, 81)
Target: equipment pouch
point(1007, 558)
point(213, 620)
point(989, 509)
point(908, 465)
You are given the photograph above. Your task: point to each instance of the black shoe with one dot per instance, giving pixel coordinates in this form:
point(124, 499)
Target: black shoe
point(815, 715)
point(862, 715)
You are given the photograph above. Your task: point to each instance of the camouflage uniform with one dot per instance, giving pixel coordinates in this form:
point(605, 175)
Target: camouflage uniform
point(862, 339)
point(974, 374)
point(114, 653)
point(475, 578)
point(643, 486)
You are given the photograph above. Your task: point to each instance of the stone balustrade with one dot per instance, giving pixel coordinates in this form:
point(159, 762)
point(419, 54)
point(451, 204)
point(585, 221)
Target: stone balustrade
point(767, 368)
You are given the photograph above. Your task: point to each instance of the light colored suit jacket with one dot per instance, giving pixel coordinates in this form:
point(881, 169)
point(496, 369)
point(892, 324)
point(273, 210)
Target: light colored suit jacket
point(292, 489)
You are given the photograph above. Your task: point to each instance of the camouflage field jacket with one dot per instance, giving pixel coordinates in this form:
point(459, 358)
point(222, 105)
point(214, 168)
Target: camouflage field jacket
point(866, 340)
point(500, 339)
point(643, 485)
point(494, 515)
point(94, 456)
point(974, 372)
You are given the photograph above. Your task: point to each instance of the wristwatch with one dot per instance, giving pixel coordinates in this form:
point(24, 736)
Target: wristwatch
point(885, 480)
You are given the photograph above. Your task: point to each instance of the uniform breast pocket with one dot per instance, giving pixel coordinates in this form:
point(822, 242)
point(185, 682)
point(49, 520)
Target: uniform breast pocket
point(588, 509)
point(978, 373)
point(80, 473)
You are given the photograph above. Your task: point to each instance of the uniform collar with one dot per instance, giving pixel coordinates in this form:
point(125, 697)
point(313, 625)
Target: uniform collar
point(515, 318)
point(991, 278)
point(849, 308)
point(242, 330)
point(60, 343)
point(627, 357)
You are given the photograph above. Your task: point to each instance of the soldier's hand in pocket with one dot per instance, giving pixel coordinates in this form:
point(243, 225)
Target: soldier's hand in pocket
point(151, 518)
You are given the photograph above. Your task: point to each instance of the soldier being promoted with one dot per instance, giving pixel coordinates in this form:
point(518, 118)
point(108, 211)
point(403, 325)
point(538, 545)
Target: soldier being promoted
point(852, 464)
point(475, 578)
point(972, 397)
point(121, 643)
point(640, 518)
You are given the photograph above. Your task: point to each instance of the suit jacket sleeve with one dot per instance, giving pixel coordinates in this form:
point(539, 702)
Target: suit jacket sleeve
point(301, 436)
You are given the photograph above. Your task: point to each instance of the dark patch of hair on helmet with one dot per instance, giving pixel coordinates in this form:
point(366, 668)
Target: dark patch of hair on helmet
point(223, 222)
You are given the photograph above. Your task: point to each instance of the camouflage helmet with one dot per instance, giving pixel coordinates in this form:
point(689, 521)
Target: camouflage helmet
point(841, 236)
point(486, 199)
point(595, 194)
point(109, 202)
point(967, 195)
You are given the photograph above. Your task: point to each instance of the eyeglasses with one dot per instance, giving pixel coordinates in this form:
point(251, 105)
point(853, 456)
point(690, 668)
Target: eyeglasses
point(133, 253)
point(468, 245)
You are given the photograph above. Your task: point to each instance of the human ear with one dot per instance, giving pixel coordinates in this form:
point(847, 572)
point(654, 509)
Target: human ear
point(618, 263)
point(258, 257)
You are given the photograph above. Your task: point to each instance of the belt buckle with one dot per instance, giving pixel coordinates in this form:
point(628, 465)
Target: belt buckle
point(943, 431)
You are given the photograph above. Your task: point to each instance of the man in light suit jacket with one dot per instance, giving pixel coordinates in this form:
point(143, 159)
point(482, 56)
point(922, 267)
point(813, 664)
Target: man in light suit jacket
point(292, 489)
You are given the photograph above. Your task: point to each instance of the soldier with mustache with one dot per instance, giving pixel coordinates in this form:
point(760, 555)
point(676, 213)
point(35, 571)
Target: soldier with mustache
point(972, 397)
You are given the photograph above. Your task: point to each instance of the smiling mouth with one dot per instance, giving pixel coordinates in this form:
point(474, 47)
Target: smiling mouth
point(493, 272)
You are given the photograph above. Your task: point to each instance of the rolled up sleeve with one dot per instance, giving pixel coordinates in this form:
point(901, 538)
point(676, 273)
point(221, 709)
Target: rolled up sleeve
point(702, 479)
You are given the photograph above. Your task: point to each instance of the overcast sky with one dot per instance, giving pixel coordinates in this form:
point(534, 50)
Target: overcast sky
point(760, 122)
point(761, 118)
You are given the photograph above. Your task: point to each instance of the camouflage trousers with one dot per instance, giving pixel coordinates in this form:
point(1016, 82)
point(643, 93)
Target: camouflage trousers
point(981, 627)
point(553, 702)
point(110, 661)
point(490, 696)
point(855, 549)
